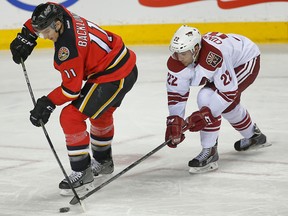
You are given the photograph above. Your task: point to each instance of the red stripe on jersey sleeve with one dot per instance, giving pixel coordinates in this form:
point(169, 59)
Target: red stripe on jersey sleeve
point(28, 25)
point(174, 98)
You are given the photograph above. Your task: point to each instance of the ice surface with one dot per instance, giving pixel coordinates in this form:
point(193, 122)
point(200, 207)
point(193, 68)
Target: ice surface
point(246, 183)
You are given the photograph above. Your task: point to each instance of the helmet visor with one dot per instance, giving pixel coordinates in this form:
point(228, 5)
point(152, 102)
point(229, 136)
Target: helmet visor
point(44, 32)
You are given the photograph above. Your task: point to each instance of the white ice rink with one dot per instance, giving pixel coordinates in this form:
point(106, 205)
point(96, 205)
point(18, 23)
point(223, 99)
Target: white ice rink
point(246, 183)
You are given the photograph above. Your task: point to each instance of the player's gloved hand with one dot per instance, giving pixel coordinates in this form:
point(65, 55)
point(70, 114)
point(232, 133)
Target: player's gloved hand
point(22, 45)
point(174, 130)
point(42, 111)
point(200, 119)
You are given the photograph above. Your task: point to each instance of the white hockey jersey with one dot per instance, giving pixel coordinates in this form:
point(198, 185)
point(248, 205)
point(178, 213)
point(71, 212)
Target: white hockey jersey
point(220, 54)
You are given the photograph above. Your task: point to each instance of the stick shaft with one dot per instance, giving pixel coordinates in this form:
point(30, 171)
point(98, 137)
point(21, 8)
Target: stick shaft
point(47, 135)
point(75, 200)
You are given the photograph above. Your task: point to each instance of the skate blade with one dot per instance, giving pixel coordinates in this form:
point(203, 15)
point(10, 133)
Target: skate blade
point(80, 190)
point(210, 167)
point(257, 147)
point(102, 175)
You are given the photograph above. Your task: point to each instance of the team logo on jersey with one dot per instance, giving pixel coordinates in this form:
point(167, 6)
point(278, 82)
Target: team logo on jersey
point(213, 59)
point(63, 53)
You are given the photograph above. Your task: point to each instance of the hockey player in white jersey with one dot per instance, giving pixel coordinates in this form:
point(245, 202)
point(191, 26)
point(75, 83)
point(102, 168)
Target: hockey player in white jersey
point(225, 64)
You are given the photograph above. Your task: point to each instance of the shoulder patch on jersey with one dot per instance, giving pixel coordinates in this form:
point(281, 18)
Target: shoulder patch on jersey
point(174, 65)
point(210, 57)
point(65, 46)
point(63, 53)
point(213, 59)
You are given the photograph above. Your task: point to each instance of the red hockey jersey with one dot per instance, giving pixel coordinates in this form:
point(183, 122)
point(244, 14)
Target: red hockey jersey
point(85, 51)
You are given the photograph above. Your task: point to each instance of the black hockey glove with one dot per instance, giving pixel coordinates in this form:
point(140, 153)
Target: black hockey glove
point(42, 111)
point(22, 45)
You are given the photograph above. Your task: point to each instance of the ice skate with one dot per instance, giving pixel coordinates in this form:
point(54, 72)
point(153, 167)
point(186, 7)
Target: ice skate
point(257, 141)
point(81, 181)
point(206, 161)
point(104, 167)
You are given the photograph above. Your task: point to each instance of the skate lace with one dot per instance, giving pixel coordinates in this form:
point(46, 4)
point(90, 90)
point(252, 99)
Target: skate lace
point(96, 166)
point(75, 176)
point(204, 154)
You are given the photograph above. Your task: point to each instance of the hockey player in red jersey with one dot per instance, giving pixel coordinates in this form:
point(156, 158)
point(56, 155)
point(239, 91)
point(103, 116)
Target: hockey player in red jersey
point(85, 54)
point(225, 64)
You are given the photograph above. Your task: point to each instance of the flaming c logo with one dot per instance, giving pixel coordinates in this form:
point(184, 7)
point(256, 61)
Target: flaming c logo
point(30, 7)
point(224, 4)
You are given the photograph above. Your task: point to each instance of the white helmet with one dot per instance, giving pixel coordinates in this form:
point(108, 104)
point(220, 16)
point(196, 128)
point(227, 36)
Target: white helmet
point(184, 39)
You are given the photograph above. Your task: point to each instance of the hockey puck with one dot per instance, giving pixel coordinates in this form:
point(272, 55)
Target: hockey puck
point(64, 209)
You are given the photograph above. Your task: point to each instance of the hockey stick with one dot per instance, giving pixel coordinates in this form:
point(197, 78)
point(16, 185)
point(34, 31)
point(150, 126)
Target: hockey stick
point(48, 137)
point(75, 200)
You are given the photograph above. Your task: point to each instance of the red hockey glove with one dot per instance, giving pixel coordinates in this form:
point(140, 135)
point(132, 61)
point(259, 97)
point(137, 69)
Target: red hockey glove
point(174, 130)
point(200, 119)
